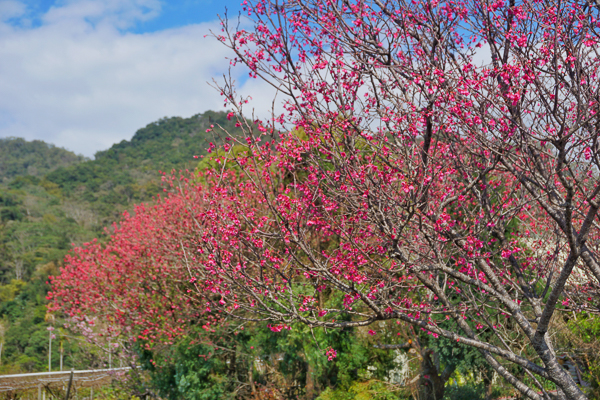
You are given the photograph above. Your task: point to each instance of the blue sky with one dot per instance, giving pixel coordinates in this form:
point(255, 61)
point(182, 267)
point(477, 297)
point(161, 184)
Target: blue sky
point(161, 14)
point(177, 13)
point(84, 74)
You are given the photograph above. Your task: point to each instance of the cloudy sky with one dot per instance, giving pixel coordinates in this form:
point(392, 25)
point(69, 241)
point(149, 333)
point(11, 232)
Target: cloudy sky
point(84, 74)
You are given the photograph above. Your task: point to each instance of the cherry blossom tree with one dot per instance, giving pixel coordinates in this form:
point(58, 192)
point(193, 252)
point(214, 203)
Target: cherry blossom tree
point(443, 164)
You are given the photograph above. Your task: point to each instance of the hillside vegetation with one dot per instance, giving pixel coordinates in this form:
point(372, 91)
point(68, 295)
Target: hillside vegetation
point(19, 157)
point(52, 199)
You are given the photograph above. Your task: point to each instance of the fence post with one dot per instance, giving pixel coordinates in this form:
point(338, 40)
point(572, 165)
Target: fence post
point(69, 387)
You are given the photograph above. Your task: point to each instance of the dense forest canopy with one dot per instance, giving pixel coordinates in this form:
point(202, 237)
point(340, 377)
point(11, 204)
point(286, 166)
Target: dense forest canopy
point(19, 157)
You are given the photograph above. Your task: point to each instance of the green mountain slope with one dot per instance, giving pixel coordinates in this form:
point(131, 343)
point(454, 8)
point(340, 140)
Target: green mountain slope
point(36, 158)
point(128, 172)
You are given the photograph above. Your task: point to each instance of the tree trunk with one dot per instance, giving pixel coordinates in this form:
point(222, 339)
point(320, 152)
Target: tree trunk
point(312, 386)
point(432, 382)
point(310, 383)
point(251, 378)
point(487, 383)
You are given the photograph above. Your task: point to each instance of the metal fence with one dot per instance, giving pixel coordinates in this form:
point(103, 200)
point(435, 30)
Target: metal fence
point(45, 381)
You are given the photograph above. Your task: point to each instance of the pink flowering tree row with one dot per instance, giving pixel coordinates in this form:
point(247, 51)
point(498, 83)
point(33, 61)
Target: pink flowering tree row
point(138, 284)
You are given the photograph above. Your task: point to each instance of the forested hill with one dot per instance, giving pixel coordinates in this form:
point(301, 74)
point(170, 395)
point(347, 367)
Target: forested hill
point(127, 173)
point(36, 158)
point(51, 199)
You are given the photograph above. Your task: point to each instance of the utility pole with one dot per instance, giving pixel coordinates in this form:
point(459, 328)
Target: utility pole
point(50, 351)
point(50, 319)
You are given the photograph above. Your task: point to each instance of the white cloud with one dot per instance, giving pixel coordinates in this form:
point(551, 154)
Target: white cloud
point(482, 56)
point(116, 13)
point(79, 81)
point(11, 9)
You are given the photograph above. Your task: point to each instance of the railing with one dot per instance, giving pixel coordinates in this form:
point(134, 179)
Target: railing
point(39, 380)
